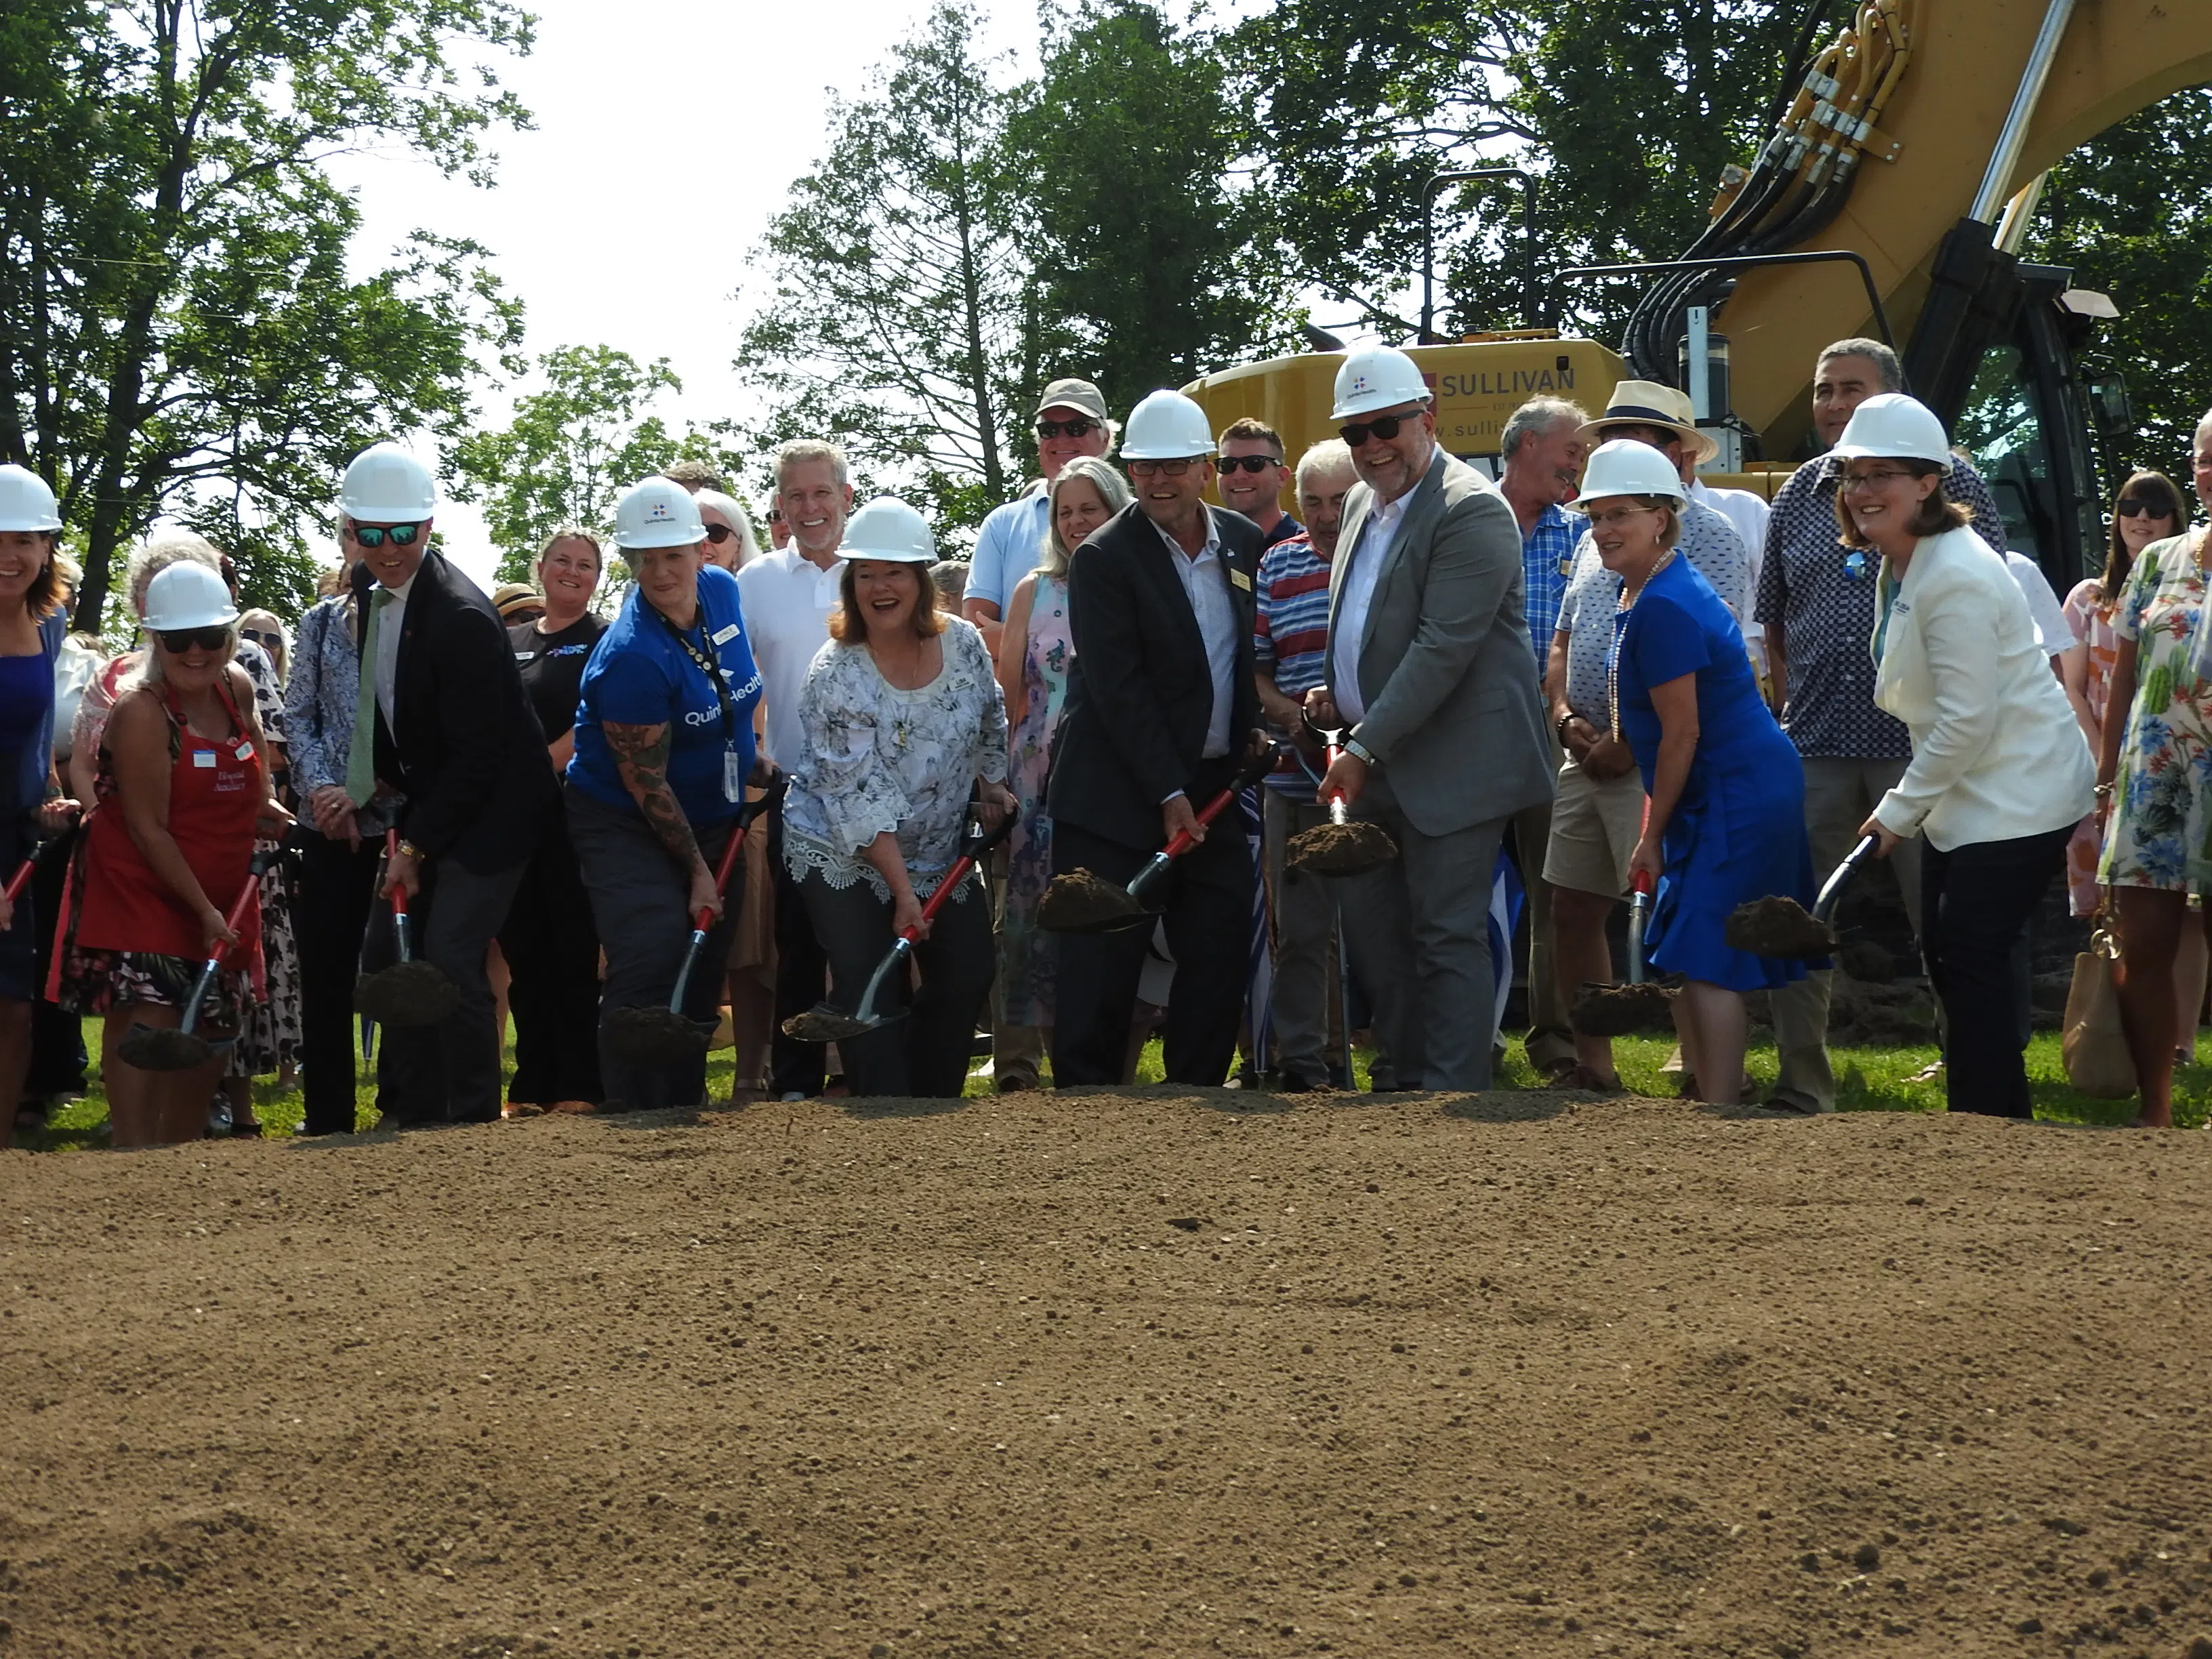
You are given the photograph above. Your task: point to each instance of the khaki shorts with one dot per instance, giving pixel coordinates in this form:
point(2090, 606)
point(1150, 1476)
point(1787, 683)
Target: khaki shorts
point(1595, 828)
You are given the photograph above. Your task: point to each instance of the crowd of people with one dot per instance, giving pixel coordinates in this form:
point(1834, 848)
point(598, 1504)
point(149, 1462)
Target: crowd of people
point(1597, 675)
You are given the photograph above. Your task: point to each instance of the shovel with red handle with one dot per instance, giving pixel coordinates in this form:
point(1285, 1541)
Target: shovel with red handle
point(669, 1037)
point(179, 1048)
point(410, 991)
point(1345, 846)
point(1079, 902)
point(827, 1023)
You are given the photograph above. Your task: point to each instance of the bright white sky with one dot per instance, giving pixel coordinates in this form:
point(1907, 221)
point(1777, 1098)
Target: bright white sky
point(667, 133)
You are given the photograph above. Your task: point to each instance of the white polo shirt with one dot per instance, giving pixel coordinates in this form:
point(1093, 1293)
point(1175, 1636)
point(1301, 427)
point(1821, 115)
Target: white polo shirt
point(787, 600)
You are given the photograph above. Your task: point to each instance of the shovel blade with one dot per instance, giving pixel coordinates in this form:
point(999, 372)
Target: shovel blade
point(163, 1048)
point(826, 1023)
point(1080, 902)
point(413, 993)
point(655, 1036)
point(1340, 849)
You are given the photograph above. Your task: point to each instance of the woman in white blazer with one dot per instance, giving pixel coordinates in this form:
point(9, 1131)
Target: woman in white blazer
point(2001, 772)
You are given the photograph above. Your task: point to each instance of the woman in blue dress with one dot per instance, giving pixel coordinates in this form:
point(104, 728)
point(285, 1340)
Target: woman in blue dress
point(1725, 820)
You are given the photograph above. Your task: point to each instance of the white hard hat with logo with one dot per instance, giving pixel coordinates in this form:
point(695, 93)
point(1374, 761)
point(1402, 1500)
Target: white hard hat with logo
point(887, 528)
point(1627, 467)
point(1166, 427)
point(26, 503)
point(187, 594)
point(1376, 377)
point(385, 484)
point(658, 513)
point(1891, 426)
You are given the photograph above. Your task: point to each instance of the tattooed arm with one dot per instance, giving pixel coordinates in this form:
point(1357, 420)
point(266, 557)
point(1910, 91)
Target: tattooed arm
point(641, 759)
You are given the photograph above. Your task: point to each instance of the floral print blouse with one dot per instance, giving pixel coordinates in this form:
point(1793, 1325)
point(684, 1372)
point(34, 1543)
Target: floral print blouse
point(877, 758)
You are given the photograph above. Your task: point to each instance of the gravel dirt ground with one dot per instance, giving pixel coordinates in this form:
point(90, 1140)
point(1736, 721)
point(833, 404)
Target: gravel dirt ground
point(1142, 1372)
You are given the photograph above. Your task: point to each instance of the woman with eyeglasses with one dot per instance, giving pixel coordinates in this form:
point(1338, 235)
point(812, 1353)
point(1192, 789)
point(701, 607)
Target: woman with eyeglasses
point(2000, 773)
point(1725, 819)
point(551, 949)
point(182, 784)
point(2152, 792)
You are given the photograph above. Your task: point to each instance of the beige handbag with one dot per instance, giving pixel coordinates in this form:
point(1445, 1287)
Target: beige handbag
point(2098, 1061)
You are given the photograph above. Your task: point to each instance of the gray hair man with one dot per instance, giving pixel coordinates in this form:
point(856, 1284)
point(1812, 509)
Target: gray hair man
point(1429, 663)
point(1070, 420)
point(1542, 449)
point(1816, 605)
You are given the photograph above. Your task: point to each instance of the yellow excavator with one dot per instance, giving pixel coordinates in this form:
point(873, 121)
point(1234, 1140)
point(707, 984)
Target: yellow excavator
point(1890, 200)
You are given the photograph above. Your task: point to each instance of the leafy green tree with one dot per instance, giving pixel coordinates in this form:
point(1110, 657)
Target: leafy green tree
point(2127, 212)
point(890, 309)
point(1151, 265)
point(179, 330)
point(572, 449)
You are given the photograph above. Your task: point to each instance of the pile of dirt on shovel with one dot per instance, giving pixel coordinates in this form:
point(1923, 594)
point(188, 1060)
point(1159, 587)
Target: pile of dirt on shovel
point(1132, 1373)
point(1078, 900)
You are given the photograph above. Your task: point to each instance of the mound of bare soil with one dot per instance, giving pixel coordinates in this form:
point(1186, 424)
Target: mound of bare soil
point(1115, 1373)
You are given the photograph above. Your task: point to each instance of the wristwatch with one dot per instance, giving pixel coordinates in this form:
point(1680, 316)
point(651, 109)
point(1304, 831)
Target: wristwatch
point(409, 849)
point(1358, 751)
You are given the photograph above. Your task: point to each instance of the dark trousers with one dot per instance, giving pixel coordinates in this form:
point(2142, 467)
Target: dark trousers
point(57, 1056)
point(924, 1054)
point(802, 978)
point(337, 888)
point(552, 952)
point(638, 898)
point(447, 1072)
point(1208, 897)
point(1975, 901)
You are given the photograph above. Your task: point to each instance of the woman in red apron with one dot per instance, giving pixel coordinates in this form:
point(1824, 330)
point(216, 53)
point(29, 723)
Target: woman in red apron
point(182, 790)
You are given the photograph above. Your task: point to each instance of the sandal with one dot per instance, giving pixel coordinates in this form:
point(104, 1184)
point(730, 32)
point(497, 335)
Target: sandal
point(1582, 1077)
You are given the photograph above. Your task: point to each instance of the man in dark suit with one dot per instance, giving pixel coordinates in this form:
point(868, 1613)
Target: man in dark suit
point(456, 739)
point(1161, 704)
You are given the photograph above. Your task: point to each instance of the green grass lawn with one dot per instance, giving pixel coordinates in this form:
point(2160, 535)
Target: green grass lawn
point(1869, 1080)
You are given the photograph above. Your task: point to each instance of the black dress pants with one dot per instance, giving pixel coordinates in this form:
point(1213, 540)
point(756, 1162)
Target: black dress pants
point(802, 978)
point(552, 952)
point(924, 1054)
point(57, 1056)
point(1974, 904)
point(337, 886)
point(1208, 896)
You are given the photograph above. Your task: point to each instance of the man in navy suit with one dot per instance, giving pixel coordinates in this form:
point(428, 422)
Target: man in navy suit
point(1161, 705)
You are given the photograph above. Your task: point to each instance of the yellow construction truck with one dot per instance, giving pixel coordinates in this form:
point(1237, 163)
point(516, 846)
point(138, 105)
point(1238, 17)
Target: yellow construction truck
point(1890, 200)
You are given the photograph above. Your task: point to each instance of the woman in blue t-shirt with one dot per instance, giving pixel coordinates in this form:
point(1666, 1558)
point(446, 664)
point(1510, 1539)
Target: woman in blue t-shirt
point(664, 753)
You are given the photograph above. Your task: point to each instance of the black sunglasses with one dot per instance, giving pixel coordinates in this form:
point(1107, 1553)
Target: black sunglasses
point(372, 535)
point(2138, 507)
point(1248, 462)
point(719, 533)
point(260, 638)
point(1385, 426)
point(176, 640)
point(1082, 427)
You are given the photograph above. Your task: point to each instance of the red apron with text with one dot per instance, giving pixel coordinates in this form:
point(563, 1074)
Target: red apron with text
point(216, 791)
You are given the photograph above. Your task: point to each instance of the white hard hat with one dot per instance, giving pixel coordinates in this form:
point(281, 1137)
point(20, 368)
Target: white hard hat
point(1376, 377)
point(26, 503)
point(1166, 427)
point(1891, 425)
point(187, 594)
point(385, 484)
point(1628, 466)
point(658, 513)
point(887, 528)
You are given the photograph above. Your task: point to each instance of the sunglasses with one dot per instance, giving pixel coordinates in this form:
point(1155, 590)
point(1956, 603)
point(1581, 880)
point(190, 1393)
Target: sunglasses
point(1385, 426)
point(178, 640)
point(719, 533)
point(1248, 462)
point(272, 640)
point(1082, 427)
point(2138, 507)
point(372, 535)
point(1164, 469)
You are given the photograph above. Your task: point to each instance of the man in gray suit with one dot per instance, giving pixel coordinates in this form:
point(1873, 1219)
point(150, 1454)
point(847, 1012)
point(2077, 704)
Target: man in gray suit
point(1430, 669)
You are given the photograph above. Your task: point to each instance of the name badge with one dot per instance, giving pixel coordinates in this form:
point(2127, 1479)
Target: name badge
point(727, 635)
point(204, 759)
point(1240, 579)
point(523, 656)
point(733, 777)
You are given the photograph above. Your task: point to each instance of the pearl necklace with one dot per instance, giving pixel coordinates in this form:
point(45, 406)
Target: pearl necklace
point(1622, 607)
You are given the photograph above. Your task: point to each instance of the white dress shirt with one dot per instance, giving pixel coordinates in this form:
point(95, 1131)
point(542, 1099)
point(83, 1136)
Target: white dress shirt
point(1205, 580)
point(387, 646)
point(1376, 532)
point(786, 599)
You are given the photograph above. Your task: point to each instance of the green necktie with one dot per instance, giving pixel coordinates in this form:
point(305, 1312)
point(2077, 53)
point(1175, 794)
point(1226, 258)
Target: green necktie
point(361, 759)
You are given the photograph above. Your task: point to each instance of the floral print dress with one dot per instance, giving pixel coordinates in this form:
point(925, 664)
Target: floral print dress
point(1028, 953)
point(2160, 831)
point(2091, 619)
